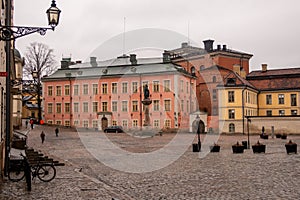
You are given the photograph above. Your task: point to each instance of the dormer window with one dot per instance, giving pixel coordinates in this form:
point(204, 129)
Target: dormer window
point(193, 71)
point(231, 81)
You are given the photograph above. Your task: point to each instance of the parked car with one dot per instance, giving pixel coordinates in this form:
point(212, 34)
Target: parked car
point(113, 129)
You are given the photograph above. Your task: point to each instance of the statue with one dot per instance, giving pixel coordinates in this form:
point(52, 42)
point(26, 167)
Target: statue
point(146, 92)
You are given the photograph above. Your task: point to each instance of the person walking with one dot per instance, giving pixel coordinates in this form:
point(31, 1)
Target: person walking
point(43, 136)
point(56, 132)
point(26, 123)
point(31, 123)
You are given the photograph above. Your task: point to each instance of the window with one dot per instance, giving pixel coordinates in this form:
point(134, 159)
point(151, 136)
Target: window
point(269, 99)
point(167, 123)
point(215, 111)
point(134, 87)
point(231, 81)
point(76, 107)
point(231, 128)
point(125, 124)
point(155, 86)
point(67, 90)
point(124, 106)
point(58, 108)
point(214, 94)
point(187, 106)
point(67, 123)
point(231, 114)
point(95, 124)
point(181, 86)
point(214, 79)
point(95, 107)
point(135, 106)
point(76, 89)
point(187, 87)
point(193, 71)
point(230, 96)
point(85, 123)
point(50, 107)
point(85, 107)
point(293, 100)
point(280, 98)
point(114, 88)
point(76, 122)
point(114, 123)
point(156, 105)
point(67, 107)
point(182, 105)
point(50, 90)
point(156, 123)
point(167, 85)
point(135, 123)
point(167, 105)
point(144, 85)
point(124, 87)
point(114, 106)
point(269, 112)
point(85, 89)
point(95, 89)
point(58, 122)
point(104, 88)
point(293, 112)
point(58, 90)
point(104, 106)
point(281, 112)
point(49, 122)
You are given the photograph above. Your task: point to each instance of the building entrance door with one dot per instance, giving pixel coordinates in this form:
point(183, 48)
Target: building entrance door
point(104, 123)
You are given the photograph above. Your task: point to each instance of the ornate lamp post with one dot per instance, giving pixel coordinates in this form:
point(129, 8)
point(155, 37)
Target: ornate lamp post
point(9, 33)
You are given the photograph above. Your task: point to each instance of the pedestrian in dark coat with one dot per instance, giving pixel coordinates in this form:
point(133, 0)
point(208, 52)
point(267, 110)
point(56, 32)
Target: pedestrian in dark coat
point(56, 132)
point(43, 136)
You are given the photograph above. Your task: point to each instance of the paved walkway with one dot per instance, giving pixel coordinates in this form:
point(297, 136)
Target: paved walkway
point(224, 175)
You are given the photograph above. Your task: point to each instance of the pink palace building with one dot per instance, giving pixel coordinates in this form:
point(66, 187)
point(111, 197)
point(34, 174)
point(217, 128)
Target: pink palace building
point(98, 94)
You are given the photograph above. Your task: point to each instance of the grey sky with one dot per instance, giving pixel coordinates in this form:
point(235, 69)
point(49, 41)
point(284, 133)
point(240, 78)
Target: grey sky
point(268, 29)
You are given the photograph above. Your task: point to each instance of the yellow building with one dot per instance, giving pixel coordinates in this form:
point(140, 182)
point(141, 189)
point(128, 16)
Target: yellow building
point(269, 97)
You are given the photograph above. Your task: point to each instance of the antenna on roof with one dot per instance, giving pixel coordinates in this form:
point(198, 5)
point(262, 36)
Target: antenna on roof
point(124, 36)
point(189, 33)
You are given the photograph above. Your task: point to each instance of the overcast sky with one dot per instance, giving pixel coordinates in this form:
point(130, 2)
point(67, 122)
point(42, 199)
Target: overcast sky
point(268, 29)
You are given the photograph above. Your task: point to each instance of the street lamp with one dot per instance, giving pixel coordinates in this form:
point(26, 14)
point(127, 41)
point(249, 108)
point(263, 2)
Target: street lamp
point(9, 33)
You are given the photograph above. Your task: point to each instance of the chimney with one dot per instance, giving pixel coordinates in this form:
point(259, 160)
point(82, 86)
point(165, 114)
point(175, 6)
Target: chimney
point(166, 57)
point(208, 45)
point(133, 59)
point(65, 63)
point(78, 62)
point(264, 67)
point(219, 47)
point(237, 69)
point(243, 73)
point(224, 47)
point(93, 61)
point(184, 45)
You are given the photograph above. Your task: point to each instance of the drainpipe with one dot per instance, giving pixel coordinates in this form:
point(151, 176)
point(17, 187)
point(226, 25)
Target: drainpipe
point(243, 109)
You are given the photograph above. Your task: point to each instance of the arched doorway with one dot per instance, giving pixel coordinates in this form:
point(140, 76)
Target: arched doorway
point(201, 125)
point(104, 123)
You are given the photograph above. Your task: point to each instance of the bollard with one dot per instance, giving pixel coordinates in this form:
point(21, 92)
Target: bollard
point(27, 174)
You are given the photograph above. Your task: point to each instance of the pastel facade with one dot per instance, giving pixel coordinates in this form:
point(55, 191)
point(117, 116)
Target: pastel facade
point(97, 95)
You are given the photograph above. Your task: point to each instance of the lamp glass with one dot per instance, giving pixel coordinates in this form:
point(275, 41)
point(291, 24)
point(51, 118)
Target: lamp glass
point(53, 15)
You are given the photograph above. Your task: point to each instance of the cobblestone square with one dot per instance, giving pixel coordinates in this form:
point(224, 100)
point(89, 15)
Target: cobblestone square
point(223, 175)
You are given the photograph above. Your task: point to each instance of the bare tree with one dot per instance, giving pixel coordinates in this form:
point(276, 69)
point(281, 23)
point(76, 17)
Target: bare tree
point(39, 58)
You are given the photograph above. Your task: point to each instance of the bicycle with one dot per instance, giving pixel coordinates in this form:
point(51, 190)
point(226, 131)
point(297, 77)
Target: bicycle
point(44, 171)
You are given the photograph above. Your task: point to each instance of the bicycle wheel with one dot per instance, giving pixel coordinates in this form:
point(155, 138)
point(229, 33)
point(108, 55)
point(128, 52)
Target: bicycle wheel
point(16, 171)
point(46, 173)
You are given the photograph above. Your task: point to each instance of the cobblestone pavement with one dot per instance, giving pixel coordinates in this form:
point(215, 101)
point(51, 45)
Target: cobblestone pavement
point(224, 175)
